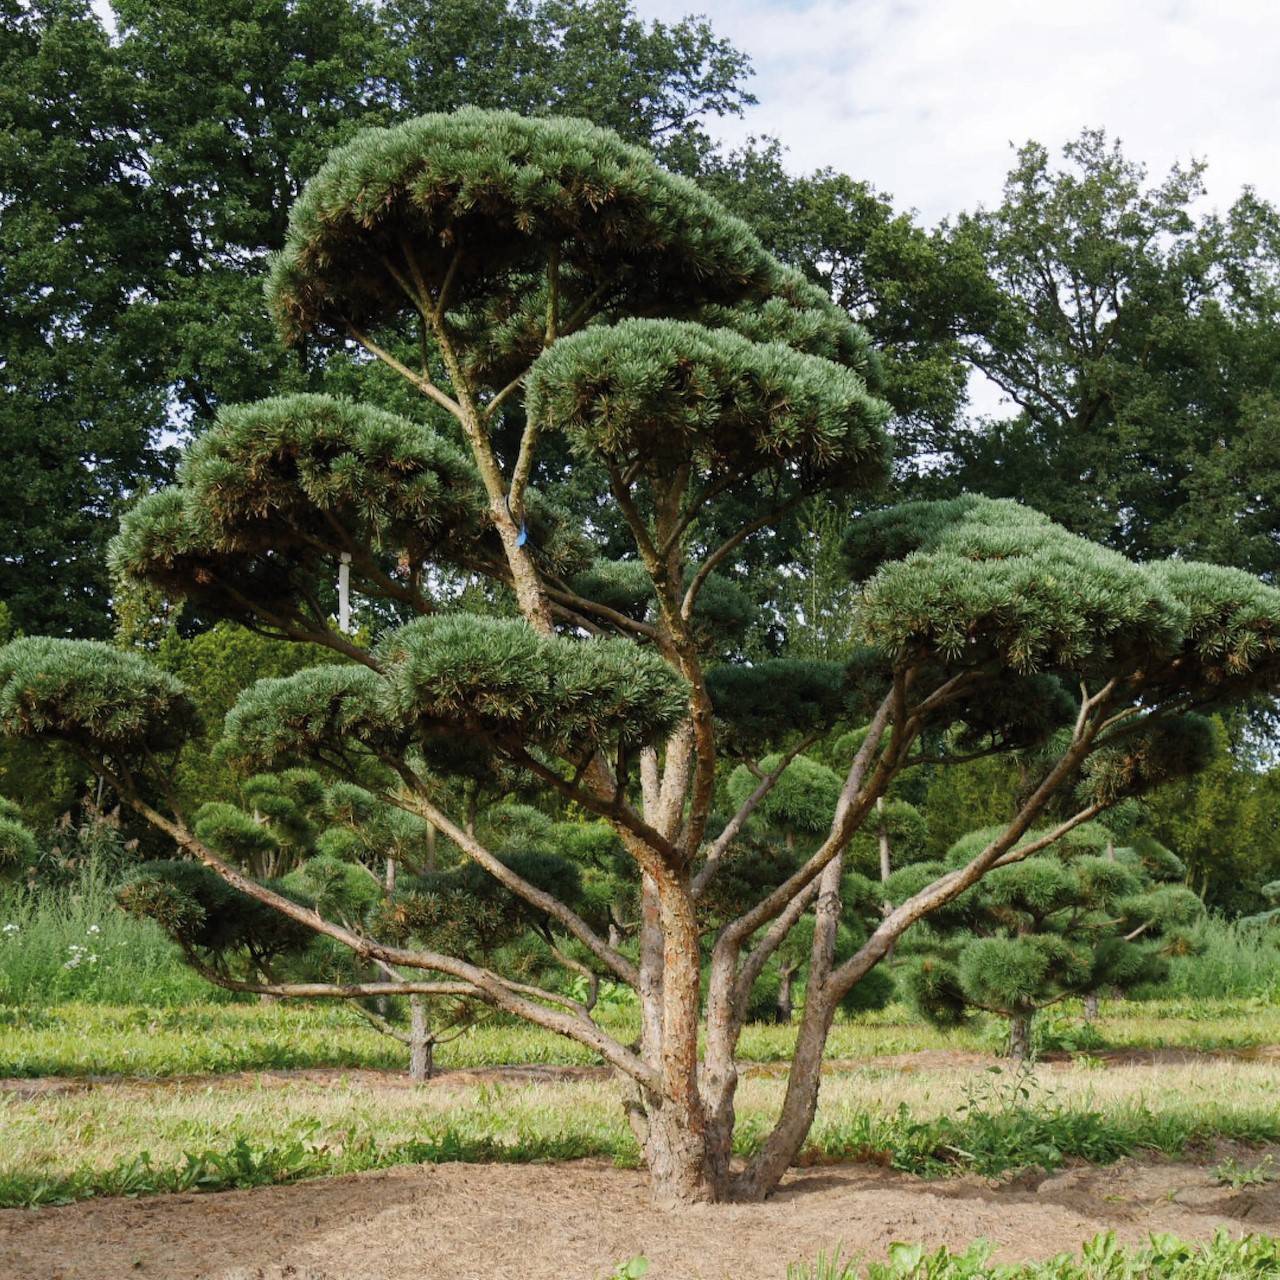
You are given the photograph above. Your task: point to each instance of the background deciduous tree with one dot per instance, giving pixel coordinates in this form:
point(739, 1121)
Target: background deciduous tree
point(1134, 338)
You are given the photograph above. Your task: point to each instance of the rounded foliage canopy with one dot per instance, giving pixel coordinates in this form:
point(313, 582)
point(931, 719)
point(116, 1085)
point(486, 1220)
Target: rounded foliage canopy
point(664, 394)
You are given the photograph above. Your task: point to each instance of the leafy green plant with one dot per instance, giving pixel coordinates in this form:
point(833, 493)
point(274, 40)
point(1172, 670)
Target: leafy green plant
point(1165, 1257)
point(632, 1269)
point(911, 1262)
point(1230, 1173)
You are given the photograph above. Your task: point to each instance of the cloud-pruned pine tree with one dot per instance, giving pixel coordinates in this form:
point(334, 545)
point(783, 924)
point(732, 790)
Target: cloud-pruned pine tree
point(1077, 917)
point(597, 344)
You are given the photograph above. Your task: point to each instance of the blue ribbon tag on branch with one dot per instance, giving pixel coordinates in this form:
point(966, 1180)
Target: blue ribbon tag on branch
point(523, 536)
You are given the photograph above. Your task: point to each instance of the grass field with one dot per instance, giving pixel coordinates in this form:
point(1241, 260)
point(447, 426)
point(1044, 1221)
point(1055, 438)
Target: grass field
point(161, 1110)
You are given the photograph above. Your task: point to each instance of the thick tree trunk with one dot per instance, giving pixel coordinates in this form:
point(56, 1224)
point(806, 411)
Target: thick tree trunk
point(683, 1167)
point(685, 1141)
point(1091, 1006)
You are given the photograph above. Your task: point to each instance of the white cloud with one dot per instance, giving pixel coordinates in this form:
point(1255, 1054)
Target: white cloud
point(924, 97)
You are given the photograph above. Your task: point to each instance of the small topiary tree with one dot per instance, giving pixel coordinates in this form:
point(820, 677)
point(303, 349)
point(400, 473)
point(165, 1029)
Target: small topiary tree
point(1077, 916)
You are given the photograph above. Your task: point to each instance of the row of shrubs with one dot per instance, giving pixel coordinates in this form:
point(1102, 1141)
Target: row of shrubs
point(65, 939)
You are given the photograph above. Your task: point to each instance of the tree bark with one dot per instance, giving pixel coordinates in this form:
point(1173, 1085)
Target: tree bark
point(800, 1103)
point(682, 1167)
point(421, 1044)
point(1020, 1034)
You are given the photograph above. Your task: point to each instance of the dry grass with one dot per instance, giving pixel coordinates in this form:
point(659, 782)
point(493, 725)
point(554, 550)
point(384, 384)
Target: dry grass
point(51, 1132)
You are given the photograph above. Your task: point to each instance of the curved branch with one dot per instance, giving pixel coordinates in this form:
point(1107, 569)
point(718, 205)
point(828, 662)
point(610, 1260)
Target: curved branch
point(745, 810)
point(522, 1002)
point(516, 884)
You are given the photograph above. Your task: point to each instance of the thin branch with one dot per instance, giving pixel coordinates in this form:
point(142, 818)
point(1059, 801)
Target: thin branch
point(635, 522)
point(419, 300)
point(516, 884)
point(553, 295)
point(584, 605)
point(514, 385)
point(423, 384)
point(854, 803)
point(774, 937)
point(524, 1002)
point(710, 564)
point(446, 287)
point(524, 465)
point(745, 810)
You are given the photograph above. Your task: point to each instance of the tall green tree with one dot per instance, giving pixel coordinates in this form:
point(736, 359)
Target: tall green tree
point(1136, 341)
point(81, 394)
point(701, 391)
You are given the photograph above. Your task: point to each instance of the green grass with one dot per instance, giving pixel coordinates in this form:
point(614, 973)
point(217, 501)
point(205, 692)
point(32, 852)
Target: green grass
point(110, 1040)
point(71, 942)
point(78, 1039)
point(1234, 959)
point(211, 1132)
point(1165, 1257)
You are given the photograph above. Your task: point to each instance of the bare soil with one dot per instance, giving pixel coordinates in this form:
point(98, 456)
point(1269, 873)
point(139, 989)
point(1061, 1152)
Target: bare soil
point(578, 1220)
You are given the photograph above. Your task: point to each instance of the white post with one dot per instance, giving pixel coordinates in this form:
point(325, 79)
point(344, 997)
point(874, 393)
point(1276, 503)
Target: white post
point(344, 593)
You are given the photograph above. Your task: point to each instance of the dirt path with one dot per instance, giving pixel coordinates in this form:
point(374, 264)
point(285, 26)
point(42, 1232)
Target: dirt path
point(576, 1221)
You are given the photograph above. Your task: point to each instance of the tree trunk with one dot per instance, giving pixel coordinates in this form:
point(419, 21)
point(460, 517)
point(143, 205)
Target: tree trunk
point(421, 1043)
point(800, 1104)
point(1020, 1034)
point(683, 1167)
point(787, 977)
point(1091, 1006)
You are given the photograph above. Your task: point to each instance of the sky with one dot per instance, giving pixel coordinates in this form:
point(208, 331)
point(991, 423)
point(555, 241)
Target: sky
point(926, 99)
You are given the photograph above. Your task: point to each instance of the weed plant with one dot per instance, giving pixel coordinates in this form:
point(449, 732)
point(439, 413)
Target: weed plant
point(1165, 1257)
point(1007, 1122)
